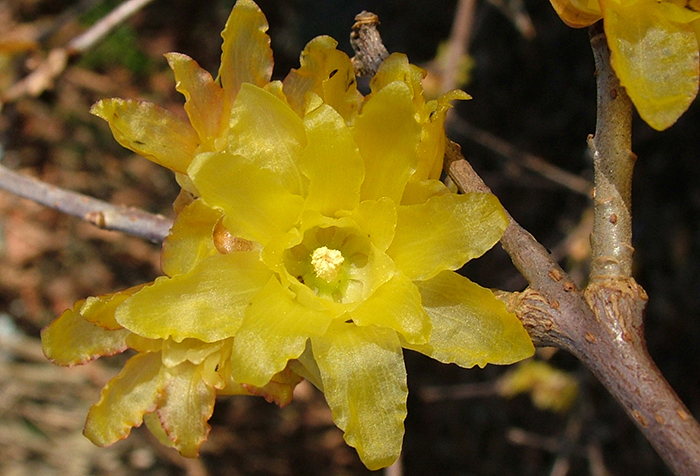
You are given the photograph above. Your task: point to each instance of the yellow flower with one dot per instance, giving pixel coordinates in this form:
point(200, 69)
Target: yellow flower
point(654, 50)
point(319, 244)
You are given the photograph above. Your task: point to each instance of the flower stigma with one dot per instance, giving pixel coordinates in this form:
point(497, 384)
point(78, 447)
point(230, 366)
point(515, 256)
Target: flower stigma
point(326, 263)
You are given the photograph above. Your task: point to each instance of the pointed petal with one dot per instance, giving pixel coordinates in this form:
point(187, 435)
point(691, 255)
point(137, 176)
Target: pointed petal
point(256, 206)
point(417, 193)
point(397, 305)
point(387, 135)
point(331, 162)
point(190, 239)
point(275, 330)
point(186, 405)
point(265, 131)
point(149, 130)
point(364, 381)
point(470, 325)
point(578, 13)
point(71, 340)
point(208, 303)
point(246, 56)
point(655, 58)
point(397, 68)
point(204, 101)
point(445, 232)
point(124, 400)
point(328, 73)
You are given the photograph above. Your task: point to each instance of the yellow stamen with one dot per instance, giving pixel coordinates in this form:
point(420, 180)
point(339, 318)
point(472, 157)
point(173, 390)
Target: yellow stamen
point(326, 263)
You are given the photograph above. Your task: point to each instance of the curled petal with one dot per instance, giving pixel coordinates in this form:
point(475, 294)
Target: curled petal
point(275, 331)
point(578, 13)
point(189, 350)
point(232, 184)
point(71, 340)
point(329, 74)
point(470, 325)
point(445, 232)
point(246, 56)
point(204, 99)
point(151, 131)
point(185, 407)
point(208, 303)
point(656, 58)
point(124, 400)
point(364, 382)
point(331, 162)
point(190, 239)
point(397, 68)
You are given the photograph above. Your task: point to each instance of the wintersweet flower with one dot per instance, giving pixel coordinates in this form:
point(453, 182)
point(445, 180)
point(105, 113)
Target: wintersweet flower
point(654, 50)
point(317, 243)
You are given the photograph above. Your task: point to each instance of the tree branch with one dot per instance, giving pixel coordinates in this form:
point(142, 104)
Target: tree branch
point(102, 214)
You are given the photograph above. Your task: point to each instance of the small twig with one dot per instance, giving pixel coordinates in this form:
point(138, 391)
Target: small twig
point(367, 44)
point(102, 214)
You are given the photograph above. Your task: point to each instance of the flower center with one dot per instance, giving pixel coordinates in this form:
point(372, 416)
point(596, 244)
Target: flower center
point(327, 263)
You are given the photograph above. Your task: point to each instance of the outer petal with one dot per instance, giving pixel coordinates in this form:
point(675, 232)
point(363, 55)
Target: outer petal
point(186, 405)
point(208, 303)
point(149, 130)
point(397, 305)
point(364, 381)
point(204, 99)
point(125, 399)
point(190, 239)
point(655, 58)
point(71, 340)
point(265, 131)
point(445, 232)
point(331, 162)
point(470, 326)
point(397, 68)
point(328, 73)
point(275, 331)
point(577, 13)
point(387, 135)
point(246, 56)
point(255, 204)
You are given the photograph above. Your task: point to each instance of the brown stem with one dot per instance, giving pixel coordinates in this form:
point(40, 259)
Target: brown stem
point(102, 214)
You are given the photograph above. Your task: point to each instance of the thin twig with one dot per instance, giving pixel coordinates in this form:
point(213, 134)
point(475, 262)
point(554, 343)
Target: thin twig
point(457, 44)
point(367, 44)
point(102, 214)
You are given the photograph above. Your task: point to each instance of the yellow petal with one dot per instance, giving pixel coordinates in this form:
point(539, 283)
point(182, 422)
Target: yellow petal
point(189, 350)
point(655, 58)
point(445, 232)
point(186, 405)
point(431, 149)
point(364, 382)
point(71, 340)
point(124, 400)
point(387, 135)
point(377, 219)
point(246, 56)
point(100, 309)
point(152, 421)
point(149, 130)
point(578, 13)
point(417, 193)
point(470, 326)
point(397, 305)
point(329, 74)
point(190, 239)
point(256, 206)
point(331, 162)
point(397, 68)
point(274, 331)
point(265, 131)
point(208, 303)
point(204, 99)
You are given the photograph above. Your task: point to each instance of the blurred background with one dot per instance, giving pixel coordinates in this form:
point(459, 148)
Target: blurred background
point(532, 80)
